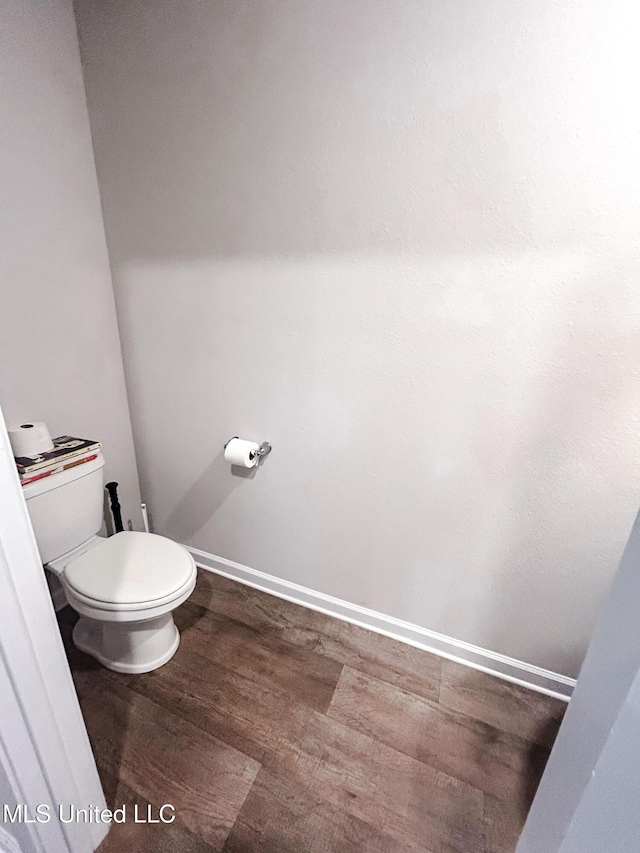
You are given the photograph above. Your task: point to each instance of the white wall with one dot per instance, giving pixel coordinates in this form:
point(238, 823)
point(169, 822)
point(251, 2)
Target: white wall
point(399, 240)
point(60, 358)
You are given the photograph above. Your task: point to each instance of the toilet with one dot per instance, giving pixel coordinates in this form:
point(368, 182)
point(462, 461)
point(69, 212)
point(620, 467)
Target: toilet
point(125, 588)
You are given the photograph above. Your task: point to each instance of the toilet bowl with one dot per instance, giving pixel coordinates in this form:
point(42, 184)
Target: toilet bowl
point(124, 587)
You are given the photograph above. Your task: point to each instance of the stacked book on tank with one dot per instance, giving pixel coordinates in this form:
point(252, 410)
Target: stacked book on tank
point(67, 452)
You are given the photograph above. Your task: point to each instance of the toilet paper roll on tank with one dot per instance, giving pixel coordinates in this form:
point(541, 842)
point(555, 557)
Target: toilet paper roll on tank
point(30, 439)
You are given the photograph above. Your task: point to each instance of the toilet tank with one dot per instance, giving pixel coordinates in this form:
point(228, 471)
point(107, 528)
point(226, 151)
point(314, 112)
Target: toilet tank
point(66, 509)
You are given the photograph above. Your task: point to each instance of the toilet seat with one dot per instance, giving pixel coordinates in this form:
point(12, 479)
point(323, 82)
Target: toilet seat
point(76, 599)
point(130, 571)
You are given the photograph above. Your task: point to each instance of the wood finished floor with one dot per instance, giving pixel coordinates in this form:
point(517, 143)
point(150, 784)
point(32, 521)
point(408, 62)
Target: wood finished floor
point(276, 729)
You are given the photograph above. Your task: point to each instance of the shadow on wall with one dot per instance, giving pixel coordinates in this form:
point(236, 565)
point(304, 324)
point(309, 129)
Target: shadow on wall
point(320, 148)
point(261, 130)
point(205, 497)
point(286, 203)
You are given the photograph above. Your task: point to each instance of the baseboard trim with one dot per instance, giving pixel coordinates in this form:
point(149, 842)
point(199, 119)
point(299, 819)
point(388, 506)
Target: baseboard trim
point(509, 669)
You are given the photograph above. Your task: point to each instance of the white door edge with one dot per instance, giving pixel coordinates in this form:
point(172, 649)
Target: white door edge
point(44, 748)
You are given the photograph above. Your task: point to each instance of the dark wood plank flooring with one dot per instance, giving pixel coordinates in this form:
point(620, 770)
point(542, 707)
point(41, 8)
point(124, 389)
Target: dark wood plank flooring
point(276, 729)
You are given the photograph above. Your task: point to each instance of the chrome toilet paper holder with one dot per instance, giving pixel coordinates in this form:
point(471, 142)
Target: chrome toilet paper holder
point(261, 452)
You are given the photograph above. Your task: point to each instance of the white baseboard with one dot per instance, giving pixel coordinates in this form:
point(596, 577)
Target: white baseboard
point(510, 669)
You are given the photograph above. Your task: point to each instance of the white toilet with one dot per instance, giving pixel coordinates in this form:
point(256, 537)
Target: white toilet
point(124, 587)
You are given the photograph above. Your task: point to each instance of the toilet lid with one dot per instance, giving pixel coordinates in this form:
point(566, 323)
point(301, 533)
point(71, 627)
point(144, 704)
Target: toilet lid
point(130, 568)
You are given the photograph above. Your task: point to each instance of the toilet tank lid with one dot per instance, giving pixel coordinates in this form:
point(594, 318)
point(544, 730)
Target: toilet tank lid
point(54, 481)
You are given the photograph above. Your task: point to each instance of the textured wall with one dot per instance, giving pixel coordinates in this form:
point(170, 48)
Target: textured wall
point(60, 358)
point(398, 240)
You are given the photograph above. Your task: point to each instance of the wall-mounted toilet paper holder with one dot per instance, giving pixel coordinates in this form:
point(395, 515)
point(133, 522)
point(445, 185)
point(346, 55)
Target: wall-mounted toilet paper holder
point(262, 451)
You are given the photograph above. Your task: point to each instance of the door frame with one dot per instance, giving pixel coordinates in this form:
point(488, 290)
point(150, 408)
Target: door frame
point(45, 754)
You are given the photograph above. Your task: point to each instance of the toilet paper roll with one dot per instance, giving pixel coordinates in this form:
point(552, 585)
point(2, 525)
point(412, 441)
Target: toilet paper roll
point(241, 452)
point(30, 439)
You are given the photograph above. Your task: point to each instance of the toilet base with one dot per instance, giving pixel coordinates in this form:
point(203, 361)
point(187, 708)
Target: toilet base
point(129, 647)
